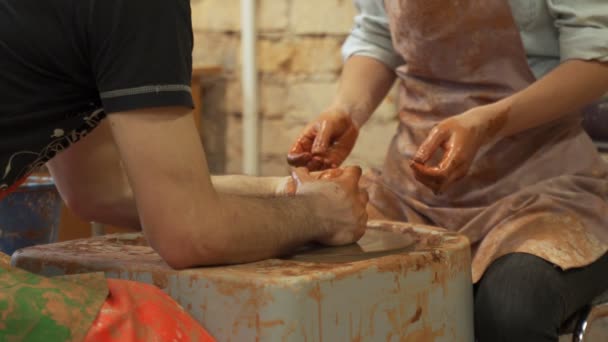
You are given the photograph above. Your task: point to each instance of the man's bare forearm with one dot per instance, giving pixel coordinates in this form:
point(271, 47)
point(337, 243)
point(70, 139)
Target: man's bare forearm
point(364, 83)
point(184, 218)
point(92, 181)
point(249, 185)
point(267, 228)
point(271, 225)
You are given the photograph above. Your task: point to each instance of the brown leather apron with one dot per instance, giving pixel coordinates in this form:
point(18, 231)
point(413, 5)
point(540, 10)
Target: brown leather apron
point(543, 191)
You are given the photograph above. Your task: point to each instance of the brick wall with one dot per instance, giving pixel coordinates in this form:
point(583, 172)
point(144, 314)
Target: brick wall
point(299, 62)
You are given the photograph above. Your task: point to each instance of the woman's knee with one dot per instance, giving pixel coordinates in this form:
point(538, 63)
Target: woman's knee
point(516, 300)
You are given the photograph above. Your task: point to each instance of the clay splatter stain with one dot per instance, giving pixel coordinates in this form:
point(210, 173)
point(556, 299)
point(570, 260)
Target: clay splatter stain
point(316, 294)
point(416, 315)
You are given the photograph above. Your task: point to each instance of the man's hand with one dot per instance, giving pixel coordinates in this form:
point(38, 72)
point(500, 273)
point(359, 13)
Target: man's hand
point(459, 138)
point(338, 202)
point(325, 143)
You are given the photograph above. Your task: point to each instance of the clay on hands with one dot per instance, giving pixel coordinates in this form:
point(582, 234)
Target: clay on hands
point(325, 143)
point(458, 139)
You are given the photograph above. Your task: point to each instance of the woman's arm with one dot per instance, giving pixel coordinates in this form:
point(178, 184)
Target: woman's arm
point(367, 76)
point(564, 91)
point(364, 83)
point(370, 63)
point(582, 78)
point(560, 93)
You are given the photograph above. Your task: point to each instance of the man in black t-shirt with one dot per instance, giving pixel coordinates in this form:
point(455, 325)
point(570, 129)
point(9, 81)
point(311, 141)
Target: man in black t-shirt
point(97, 88)
point(65, 64)
point(99, 92)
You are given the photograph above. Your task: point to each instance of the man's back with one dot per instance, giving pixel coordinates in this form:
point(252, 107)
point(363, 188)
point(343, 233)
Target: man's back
point(65, 63)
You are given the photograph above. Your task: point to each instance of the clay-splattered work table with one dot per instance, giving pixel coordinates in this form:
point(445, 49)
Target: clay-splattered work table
point(399, 283)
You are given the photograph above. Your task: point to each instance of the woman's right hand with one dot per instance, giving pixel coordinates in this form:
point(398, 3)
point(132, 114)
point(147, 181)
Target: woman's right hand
point(325, 142)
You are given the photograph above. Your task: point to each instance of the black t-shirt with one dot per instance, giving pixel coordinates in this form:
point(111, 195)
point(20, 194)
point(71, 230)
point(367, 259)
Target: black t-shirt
point(64, 64)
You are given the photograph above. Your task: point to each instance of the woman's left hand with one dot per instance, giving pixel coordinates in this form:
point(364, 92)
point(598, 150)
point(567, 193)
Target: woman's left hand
point(459, 138)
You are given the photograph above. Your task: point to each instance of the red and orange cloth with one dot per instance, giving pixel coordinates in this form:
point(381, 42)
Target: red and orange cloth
point(140, 312)
point(89, 307)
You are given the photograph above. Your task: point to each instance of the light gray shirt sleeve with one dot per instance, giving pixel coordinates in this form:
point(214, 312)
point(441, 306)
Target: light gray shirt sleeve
point(583, 28)
point(371, 36)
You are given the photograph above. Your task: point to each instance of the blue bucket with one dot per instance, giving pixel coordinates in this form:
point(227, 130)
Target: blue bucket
point(30, 215)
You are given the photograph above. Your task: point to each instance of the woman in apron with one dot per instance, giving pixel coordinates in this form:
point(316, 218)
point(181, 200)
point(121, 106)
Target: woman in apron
point(489, 143)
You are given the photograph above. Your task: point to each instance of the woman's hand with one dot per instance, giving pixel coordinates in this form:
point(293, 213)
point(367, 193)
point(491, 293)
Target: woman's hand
point(325, 142)
point(459, 139)
point(328, 140)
